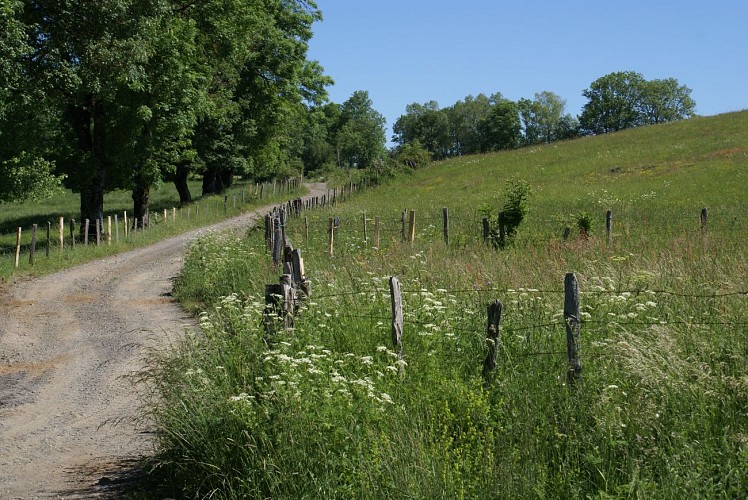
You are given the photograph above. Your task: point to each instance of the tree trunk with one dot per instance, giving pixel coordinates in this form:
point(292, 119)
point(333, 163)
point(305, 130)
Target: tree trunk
point(140, 198)
point(91, 134)
point(209, 182)
point(227, 178)
point(180, 182)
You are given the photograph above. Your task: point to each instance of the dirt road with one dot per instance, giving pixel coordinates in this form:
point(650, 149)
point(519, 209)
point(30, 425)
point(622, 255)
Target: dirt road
point(69, 345)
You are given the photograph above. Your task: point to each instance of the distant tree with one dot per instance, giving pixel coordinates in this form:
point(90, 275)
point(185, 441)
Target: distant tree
point(664, 101)
point(544, 118)
point(464, 119)
point(625, 99)
point(426, 123)
point(613, 103)
point(501, 128)
point(360, 137)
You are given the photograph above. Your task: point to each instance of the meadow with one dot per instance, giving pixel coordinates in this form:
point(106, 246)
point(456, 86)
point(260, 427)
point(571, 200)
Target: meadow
point(329, 409)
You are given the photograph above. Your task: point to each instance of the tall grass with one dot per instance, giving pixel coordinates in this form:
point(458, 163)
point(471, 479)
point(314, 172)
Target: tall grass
point(328, 409)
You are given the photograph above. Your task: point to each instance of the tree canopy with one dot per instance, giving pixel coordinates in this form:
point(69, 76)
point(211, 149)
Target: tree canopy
point(624, 99)
point(130, 93)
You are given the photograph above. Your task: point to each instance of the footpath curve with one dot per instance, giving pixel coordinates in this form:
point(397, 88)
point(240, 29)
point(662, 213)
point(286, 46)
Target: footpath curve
point(70, 343)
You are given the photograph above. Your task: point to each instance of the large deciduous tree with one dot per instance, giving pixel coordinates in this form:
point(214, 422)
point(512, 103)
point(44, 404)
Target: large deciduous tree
point(360, 134)
point(622, 100)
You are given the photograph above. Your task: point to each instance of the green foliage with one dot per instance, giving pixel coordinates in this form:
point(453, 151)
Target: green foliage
point(412, 155)
point(584, 223)
point(624, 99)
point(27, 177)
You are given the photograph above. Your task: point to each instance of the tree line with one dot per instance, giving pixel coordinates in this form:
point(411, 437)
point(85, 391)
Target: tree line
point(129, 94)
point(480, 124)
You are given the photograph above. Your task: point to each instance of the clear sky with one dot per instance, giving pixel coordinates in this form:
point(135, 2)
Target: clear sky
point(405, 51)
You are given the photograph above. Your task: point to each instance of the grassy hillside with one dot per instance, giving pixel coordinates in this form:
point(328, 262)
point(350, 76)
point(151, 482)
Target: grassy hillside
point(329, 410)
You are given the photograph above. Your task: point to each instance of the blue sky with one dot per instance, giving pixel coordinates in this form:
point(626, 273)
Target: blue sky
point(417, 50)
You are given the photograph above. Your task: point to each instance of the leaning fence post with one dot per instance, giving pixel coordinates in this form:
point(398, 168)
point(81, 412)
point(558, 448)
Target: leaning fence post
point(397, 315)
point(571, 318)
point(704, 218)
point(18, 245)
point(493, 337)
point(445, 212)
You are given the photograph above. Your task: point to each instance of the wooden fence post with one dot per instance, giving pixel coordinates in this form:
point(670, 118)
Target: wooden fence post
point(572, 320)
point(18, 245)
point(108, 229)
point(306, 228)
point(703, 218)
point(493, 337)
point(277, 241)
point(49, 238)
point(445, 212)
point(376, 232)
point(127, 229)
point(173, 214)
point(403, 220)
point(332, 236)
point(98, 231)
point(61, 234)
point(366, 234)
point(116, 228)
point(32, 251)
point(609, 225)
point(397, 316)
point(85, 232)
point(412, 227)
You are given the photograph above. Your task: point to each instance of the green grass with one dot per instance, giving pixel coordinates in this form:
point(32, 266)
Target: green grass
point(328, 411)
point(202, 211)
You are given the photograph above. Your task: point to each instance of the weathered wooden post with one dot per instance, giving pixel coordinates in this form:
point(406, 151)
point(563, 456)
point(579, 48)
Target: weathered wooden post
point(366, 234)
point(173, 214)
point(703, 218)
point(403, 220)
point(86, 227)
point(277, 241)
point(108, 229)
point(609, 225)
point(572, 320)
point(98, 231)
point(493, 337)
point(49, 238)
point(32, 251)
point(61, 235)
point(306, 228)
point(412, 227)
point(332, 236)
point(18, 246)
point(126, 227)
point(445, 212)
point(72, 233)
point(397, 315)
point(376, 232)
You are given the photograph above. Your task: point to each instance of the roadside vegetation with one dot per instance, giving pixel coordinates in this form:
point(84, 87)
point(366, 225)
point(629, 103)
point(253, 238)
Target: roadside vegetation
point(329, 409)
